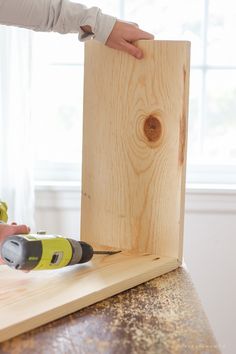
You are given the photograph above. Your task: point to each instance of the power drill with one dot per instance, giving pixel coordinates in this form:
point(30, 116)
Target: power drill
point(40, 251)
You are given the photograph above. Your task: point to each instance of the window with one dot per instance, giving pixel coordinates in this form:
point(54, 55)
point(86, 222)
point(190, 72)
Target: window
point(57, 105)
point(58, 86)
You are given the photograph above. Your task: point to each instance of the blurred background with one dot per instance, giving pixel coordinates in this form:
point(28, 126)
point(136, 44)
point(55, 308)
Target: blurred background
point(209, 25)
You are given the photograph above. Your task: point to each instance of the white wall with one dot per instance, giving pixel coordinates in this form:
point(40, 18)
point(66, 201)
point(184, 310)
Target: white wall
point(209, 246)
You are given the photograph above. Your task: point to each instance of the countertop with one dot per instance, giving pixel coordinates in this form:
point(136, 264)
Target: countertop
point(163, 316)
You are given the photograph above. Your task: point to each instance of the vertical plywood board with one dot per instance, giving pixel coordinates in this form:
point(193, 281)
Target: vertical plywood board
point(134, 147)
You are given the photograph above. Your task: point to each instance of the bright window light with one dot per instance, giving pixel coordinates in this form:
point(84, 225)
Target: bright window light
point(57, 95)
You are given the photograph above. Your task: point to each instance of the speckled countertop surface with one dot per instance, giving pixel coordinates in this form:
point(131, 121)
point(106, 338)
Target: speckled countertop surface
point(162, 316)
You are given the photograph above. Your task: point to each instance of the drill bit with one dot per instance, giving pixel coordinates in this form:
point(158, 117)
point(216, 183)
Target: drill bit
point(106, 252)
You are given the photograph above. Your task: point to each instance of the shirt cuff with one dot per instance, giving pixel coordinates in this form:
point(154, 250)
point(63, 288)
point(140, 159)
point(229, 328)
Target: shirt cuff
point(101, 25)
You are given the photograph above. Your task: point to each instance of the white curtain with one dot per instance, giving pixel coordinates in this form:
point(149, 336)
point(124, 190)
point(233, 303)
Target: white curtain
point(16, 172)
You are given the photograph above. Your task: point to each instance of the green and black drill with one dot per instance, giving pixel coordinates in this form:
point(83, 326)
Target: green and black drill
point(41, 251)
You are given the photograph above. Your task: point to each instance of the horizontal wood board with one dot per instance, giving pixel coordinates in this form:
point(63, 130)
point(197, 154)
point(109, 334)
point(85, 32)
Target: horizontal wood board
point(33, 299)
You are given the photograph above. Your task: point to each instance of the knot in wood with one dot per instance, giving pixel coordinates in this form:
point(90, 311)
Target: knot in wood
point(152, 128)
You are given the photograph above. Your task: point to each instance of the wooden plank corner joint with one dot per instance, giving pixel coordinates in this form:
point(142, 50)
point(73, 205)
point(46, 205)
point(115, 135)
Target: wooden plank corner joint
point(133, 184)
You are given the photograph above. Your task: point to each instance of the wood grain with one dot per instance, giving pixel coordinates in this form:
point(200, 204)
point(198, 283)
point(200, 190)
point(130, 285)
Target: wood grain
point(30, 300)
point(134, 147)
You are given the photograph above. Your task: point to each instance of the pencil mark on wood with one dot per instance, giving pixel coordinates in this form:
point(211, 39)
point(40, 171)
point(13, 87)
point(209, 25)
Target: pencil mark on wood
point(84, 194)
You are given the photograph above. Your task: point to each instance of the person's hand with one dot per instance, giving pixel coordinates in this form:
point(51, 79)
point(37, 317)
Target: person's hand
point(10, 230)
point(123, 35)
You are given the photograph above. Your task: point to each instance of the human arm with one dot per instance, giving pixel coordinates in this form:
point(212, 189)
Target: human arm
point(60, 16)
point(64, 16)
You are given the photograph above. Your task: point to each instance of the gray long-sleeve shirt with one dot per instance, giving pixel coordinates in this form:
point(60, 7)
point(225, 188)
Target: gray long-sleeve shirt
point(61, 16)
